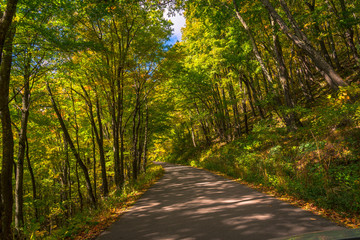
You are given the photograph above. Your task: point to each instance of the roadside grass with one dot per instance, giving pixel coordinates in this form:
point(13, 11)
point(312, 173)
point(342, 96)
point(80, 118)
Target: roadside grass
point(88, 224)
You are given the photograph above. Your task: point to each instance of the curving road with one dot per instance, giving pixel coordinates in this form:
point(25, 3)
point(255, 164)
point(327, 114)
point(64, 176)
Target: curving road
point(190, 203)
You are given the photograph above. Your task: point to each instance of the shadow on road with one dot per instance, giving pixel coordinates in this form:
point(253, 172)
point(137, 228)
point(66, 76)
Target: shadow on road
point(189, 203)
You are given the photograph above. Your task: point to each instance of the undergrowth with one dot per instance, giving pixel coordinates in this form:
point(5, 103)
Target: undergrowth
point(318, 163)
point(91, 222)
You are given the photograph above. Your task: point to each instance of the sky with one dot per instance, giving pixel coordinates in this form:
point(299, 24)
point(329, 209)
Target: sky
point(179, 21)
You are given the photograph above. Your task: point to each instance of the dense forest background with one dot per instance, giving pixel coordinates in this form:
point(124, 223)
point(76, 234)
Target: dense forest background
point(91, 92)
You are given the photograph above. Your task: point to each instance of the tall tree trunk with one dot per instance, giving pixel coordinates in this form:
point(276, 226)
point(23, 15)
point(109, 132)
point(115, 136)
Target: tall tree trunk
point(250, 85)
point(243, 104)
point(140, 139)
point(116, 150)
point(73, 149)
point(66, 179)
point(349, 33)
point(146, 133)
point(6, 19)
point(300, 40)
point(100, 141)
point(237, 121)
point(6, 194)
point(68, 174)
point(219, 114)
point(78, 187)
point(33, 183)
point(304, 81)
point(291, 120)
point(135, 136)
point(204, 128)
point(120, 107)
point(334, 54)
point(94, 161)
point(253, 43)
point(317, 31)
point(98, 133)
point(227, 121)
point(19, 202)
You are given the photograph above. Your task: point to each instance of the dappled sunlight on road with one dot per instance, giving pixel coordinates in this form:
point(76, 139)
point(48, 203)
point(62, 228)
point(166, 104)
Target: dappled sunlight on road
point(195, 204)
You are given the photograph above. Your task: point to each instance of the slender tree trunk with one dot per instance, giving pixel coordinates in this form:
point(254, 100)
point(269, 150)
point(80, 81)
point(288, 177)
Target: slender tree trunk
point(255, 95)
point(19, 202)
point(33, 183)
point(253, 43)
point(68, 168)
point(98, 133)
point(146, 133)
point(94, 161)
point(78, 187)
point(307, 76)
point(122, 132)
point(140, 139)
point(115, 132)
point(249, 96)
point(334, 54)
point(243, 104)
point(227, 121)
point(203, 127)
point(237, 121)
point(66, 180)
point(100, 141)
point(120, 107)
point(317, 31)
point(135, 136)
point(291, 120)
point(349, 33)
point(73, 149)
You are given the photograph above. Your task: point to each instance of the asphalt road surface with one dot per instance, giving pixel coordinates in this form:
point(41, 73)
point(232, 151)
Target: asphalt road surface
point(190, 203)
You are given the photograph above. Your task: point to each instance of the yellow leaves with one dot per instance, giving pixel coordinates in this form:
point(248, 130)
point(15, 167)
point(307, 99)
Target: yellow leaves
point(243, 10)
point(111, 9)
point(308, 25)
point(38, 234)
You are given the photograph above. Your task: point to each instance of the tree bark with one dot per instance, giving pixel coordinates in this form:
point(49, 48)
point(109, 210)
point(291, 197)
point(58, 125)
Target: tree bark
point(6, 19)
point(146, 133)
point(135, 135)
point(19, 215)
point(94, 161)
point(6, 201)
point(100, 142)
point(33, 183)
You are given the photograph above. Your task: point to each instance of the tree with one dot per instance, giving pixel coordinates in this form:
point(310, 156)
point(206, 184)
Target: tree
point(7, 32)
point(300, 40)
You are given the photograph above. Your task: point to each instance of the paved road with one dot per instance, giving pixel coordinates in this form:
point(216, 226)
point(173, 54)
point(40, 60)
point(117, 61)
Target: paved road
point(189, 203)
